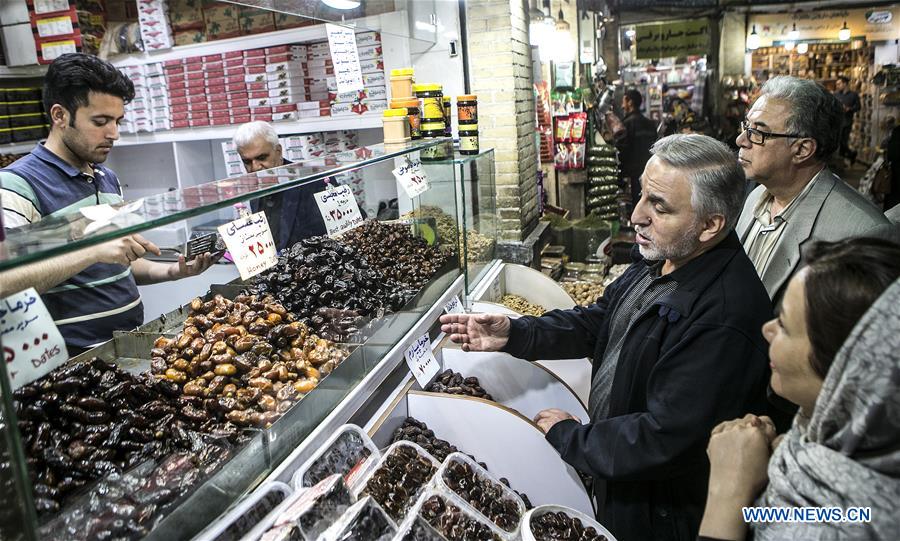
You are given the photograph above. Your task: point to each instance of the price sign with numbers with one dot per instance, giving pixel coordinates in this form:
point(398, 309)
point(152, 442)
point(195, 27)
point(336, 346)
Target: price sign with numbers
point(32, 345)
point(339, 209)
point(454, 306)
point(249, 240)
point(410, 175)
point(421, 361)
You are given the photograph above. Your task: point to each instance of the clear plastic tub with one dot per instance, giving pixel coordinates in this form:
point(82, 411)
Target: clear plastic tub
point(490, 509)
point(310, 512)
point(586, 521)
point(434, 503)
point(397, 501)
point(418, 529)
point(364, 520)
point(349, 451)
point(247, 513)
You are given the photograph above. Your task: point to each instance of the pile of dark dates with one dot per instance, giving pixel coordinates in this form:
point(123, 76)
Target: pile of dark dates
point(451, 382)
point(246, 361)
point(559, 526)
point(88, 420)
point(452, 523)
point(482, 494)
point(393, 250)
point(418, 432)
point(398, 480)
point(320, 272)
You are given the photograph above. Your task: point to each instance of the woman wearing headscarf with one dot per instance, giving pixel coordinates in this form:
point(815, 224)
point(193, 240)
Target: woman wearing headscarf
point(843, 449)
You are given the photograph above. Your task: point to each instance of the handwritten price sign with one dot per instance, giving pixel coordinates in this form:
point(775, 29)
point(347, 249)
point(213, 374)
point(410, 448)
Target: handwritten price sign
point(249, 240)
point(339, 209)
point(421, 361)
point(32, 345)
point(454, 306)
point(411, 177)
point(345, 58)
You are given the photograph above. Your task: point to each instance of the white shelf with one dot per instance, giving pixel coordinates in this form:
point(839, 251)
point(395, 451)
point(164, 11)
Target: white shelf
point(308, 125)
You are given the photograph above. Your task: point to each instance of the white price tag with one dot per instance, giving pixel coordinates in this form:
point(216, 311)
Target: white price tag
point(32, 345)
point(421, 361)
point(411, 177)
point(249, 240)
point(339, 209)
point(454, 306)
point(344, 57)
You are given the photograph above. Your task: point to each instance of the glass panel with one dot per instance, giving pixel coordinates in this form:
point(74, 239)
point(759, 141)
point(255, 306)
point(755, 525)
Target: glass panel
point(57, 235)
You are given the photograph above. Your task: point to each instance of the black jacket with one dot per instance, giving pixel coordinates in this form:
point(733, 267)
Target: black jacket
point(634, 145)
point(293, 215)
point(694, 358)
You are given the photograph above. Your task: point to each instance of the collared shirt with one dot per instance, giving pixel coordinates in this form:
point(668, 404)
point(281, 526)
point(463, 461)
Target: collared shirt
point(766, 231)
point(642, 294)
point(89, 306)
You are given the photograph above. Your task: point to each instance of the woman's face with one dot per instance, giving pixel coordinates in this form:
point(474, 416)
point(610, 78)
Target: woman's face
point(793, 377)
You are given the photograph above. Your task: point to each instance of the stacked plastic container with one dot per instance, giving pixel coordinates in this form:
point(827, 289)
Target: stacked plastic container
point(603, 181)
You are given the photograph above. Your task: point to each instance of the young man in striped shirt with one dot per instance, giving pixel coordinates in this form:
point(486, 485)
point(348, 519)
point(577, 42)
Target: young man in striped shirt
point(90, 292)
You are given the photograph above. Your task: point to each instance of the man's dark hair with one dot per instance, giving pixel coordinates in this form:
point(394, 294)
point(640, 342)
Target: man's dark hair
point(635, 98)
point(844, 78)
point(844, 279)
point(72, 76)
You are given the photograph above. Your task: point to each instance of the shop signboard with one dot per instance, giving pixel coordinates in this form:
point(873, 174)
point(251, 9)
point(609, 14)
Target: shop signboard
point(875, 24)
point(672, 39)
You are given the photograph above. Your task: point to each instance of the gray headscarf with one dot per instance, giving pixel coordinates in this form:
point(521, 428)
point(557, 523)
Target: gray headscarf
point(847, 454)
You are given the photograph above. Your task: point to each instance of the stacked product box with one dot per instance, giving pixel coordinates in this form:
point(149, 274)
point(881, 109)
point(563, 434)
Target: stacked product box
point(56, 29)
point(373, 96)
point(149, 110)
point(233, 164)
point(22, 115)
point(299, 148)
point(156, 34)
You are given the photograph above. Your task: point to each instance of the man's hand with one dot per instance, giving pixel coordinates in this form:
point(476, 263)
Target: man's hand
point(549, 417)
point(124, 250)
point(739, 453)
point(183, 269)
point(477, 332)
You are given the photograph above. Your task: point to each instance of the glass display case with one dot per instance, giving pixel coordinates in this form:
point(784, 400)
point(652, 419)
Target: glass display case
point(159, 430)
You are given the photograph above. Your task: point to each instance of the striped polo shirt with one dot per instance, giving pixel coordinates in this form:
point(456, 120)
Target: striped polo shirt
point(89, 306)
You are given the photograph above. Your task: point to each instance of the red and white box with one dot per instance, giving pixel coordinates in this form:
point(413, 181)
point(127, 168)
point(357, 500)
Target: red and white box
point(254, 53)
point(255, 61)
point(233, 54)
point(364, 39)
point(255, 70)
point(277, 49)
point(233, 63)
point(235, 103)
point(369, 53)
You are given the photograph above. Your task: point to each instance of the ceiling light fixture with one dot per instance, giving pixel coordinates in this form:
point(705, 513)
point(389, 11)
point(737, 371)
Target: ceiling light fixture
point(844, 33)
point(753, 39)
point(794, 34)
point(802, 48)
point(342, 4)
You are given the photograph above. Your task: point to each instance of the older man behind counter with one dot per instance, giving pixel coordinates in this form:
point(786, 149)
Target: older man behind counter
point(293, 214)
point(675, 342)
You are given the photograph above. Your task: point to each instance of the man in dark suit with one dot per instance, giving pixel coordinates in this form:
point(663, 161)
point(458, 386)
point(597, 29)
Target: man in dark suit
point(634, 144)
point(676, 344)
point(293, 214)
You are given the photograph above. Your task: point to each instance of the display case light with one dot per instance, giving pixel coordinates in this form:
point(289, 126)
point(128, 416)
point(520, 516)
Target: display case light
point(789, 45)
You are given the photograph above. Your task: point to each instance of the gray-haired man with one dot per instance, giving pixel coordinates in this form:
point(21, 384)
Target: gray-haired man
point(676, 346)
point(790, 132)
point(293, 215)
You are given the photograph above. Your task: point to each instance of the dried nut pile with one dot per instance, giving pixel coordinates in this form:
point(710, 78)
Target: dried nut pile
point(7, 159)
point(418, 432)
point(321, 272)
point(522, 306)
point(584, 293)
point(453, 523)
point(478, 247)
point(244, 360)
point(451, 382)
point(88, 419)
point(398, 480)
point(446, 225)
point(562, 527)
point(614, 273)
point(393, 250)
point(483, 494)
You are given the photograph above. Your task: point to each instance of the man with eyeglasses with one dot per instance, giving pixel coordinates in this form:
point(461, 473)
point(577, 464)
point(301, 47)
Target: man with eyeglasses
point(786, 139)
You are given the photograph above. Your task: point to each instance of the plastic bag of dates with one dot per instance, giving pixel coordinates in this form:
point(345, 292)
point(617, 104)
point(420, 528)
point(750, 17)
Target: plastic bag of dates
point(558, 523)
point(349, 452)
point(452, 517)
point(395, 483)
point(309, 513)
point(474, 485)
point(364, 520)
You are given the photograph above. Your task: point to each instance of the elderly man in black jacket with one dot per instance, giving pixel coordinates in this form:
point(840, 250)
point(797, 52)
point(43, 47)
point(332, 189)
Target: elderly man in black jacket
point(676, 345)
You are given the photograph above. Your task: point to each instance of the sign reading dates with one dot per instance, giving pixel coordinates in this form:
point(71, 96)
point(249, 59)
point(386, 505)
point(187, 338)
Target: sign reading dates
point(32, 345)
point(339, 209)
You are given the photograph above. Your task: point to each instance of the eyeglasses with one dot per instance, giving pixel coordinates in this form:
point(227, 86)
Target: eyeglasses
point(758, 137)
